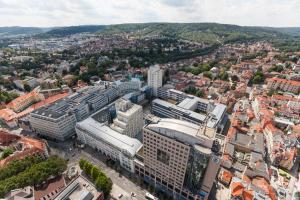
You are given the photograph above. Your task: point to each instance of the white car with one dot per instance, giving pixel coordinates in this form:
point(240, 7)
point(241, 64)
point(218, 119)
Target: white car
point(120, 196)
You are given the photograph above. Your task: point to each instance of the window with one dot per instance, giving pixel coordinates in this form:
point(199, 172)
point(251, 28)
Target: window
point(163, 157)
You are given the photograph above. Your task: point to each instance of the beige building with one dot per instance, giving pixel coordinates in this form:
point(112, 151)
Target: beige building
point(129, 120)
point(284, 85)
point(175, 159)
point(24, 101)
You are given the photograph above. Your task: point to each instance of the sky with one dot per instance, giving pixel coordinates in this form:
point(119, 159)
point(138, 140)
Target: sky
point(49, 13)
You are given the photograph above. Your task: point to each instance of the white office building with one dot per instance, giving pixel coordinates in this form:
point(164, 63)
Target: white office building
point(155, 78)
point(52, 124)
point(129, 120)
point(101, 137)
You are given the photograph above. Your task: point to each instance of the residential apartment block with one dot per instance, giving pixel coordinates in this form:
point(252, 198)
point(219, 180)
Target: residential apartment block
point(24, 101)
point(284, 85)
point(155, 78)
point(22, 146)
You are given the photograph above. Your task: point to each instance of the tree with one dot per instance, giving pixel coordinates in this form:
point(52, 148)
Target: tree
point(95, 173)
point(208, 75)
point(88, 168)
point(234, 78)
point(27, 88)
point(223, 75)
point(199, 93)
point(121, 66)
point(258, 77)
point(32, 174)
point(6, 152)
point(82, 163)
point(105, 184)
point(102, 182)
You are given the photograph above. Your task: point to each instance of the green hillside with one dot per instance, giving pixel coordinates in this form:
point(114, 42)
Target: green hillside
point(197, 32)
point(209, 33)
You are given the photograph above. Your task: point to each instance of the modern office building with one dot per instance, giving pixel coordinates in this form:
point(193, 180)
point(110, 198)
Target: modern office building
point(177, 159)
point(155, 78)
point(129, 120)
point(211, 116)
point(58, 120)
point(125, 87)
point(113, 144)
point(52, 123)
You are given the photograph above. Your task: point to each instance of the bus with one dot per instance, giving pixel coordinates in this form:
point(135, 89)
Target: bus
point(151, 197)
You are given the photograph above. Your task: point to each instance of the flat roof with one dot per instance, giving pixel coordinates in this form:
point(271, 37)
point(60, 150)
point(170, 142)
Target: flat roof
point(103, 132)
point(216, 114)
point(79, 189)
point(183, 110)
point(184, 131)
point(188, 103)
point(46, 112)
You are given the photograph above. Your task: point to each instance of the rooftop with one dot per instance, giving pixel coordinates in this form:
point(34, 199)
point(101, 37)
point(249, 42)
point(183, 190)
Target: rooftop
point(79, 188)
point(199, 116)
point(105, 133)
point(184, 131)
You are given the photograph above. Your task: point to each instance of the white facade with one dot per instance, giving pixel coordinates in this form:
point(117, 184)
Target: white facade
point(155, 78)
point(129, 119)
point(109, 142)
point(60, 128)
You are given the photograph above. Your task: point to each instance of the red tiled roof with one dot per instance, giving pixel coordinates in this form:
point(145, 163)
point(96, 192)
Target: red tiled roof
point(30, 146)
point(21, 98)
point(290, 82)
point(263, 184)
point(226, 176)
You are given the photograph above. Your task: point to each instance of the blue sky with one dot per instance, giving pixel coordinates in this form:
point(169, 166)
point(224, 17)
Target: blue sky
point(284, 13)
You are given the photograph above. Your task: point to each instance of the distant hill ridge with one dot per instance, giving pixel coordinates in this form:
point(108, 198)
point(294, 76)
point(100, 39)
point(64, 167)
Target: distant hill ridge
point(198, 32)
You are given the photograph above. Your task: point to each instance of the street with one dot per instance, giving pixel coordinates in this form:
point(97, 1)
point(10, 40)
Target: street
point(122, 184)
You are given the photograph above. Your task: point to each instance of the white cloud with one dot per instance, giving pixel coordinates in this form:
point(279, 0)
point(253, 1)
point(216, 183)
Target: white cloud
point(75, 12)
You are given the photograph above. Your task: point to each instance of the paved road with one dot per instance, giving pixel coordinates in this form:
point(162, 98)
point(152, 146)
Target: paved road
point(122, 184)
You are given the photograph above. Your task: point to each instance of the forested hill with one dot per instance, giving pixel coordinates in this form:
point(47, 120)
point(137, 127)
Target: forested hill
point(198, 32)
point(70, 30)
point(209, 33)
point(20, 31)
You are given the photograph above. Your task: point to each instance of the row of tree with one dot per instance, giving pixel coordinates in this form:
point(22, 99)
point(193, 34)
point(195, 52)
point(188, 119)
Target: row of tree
point(101, 181)
point(35, 175)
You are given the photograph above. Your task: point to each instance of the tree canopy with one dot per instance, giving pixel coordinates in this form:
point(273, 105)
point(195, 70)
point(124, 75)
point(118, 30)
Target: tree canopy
point(102, 182)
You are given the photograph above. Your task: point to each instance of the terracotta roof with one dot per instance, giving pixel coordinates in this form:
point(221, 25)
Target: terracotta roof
point(8, 114)
point(226, 176)
point(290, 82)
point(237, 189)
point(264, 185)
point(30, 146)
point(21, 98)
